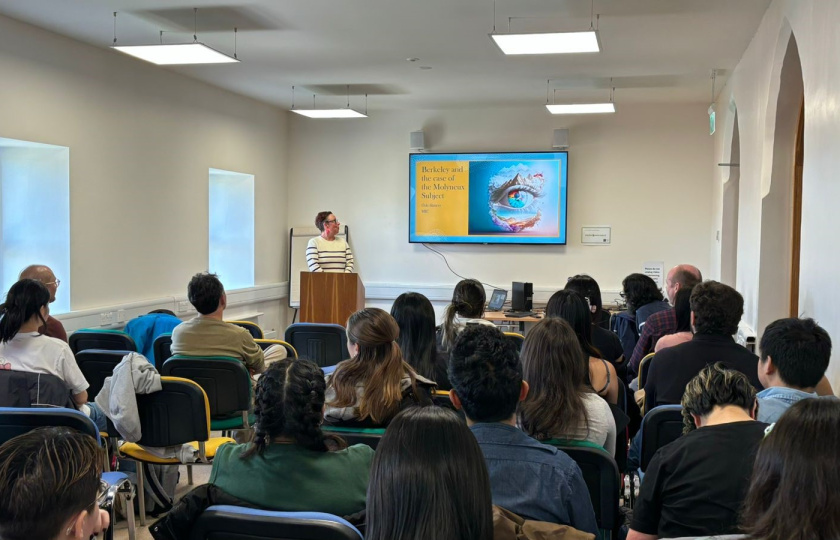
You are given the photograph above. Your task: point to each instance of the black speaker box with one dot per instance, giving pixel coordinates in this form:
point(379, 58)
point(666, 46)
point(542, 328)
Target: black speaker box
point(523, 296)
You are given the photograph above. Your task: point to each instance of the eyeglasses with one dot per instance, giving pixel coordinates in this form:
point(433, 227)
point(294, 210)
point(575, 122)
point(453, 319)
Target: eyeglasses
point(329, 221)
point(622, 294)
point(57, 282)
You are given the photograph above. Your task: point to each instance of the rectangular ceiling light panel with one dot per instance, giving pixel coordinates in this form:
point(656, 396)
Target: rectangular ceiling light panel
point(182, 53)
point(552, 43)
point(581, 108)
point(329, 113)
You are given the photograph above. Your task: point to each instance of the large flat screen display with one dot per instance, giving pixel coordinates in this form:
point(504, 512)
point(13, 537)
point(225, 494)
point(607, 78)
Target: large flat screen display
point(504, 198)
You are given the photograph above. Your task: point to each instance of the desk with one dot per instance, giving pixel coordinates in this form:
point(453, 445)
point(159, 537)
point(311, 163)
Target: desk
point(499, 316)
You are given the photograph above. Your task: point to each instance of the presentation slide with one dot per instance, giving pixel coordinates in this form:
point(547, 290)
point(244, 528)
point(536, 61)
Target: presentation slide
point(502, 198)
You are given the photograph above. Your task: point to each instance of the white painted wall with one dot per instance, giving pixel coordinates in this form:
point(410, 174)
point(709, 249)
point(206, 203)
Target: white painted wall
point(754, 88)
point(142, 140)
point(644, 171)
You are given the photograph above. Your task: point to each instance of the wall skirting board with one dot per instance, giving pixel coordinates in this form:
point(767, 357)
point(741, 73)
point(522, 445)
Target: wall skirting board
point(241, 304)
point(443, 293)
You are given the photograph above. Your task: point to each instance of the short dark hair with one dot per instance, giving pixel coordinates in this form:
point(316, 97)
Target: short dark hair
point(640, 290)
point(793, 492)
point(429, 479)
point(682, 308)
point(320, 218)
point(717, 308)
point(715, 385)
point(47, 476)
point(800, 350)
point(205, 292)
point(485, 372)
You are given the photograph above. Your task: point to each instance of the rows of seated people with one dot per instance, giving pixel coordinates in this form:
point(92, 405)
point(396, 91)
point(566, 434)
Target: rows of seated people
point(435, 475)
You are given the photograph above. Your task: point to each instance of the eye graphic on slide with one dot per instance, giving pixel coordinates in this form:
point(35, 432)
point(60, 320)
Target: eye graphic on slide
point(514, 205)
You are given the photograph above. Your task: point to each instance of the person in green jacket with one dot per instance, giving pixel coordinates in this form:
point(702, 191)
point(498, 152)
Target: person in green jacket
point(292, 465)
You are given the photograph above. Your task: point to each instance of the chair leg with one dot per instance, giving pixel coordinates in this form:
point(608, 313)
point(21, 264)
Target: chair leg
point(189, 475)
point(141, 492)
point(128, 504)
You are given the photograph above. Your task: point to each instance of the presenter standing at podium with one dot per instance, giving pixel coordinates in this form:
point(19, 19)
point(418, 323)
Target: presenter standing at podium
point(326, 253)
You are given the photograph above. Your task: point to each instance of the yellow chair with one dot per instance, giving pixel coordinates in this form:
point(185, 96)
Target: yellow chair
point(179, 414)
point(518, 339)
point(253, 328)
point(266, 343)
point(644, 366)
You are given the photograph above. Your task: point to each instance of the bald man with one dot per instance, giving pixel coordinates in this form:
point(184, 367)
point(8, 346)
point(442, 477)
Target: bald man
point(45, 275)
point(664, 322)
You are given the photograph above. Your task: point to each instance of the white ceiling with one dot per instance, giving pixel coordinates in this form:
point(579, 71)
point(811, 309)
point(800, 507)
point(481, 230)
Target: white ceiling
point(655, 50)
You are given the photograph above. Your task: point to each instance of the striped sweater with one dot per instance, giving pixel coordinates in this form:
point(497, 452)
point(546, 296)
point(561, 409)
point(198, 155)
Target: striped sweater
point(329, 256)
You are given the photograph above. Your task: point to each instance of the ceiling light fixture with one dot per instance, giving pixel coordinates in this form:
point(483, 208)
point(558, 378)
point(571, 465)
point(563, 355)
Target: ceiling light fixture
point(548, 42)
point(178, 53)
point(580, 108)
point(314, 112)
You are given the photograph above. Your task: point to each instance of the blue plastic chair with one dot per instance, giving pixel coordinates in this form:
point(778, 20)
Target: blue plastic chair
point(218, 522)
point(101, 338)
point(660, 426)
point(324, 344)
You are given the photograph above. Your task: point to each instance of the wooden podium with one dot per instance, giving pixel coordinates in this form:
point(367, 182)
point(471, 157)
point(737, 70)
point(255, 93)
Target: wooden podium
point(327, 297)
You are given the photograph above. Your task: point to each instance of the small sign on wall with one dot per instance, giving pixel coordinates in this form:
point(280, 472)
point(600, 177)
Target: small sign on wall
point(595, 235)
point(656, 271)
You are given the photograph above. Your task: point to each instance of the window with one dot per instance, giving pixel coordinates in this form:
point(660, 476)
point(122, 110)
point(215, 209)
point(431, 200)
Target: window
point(35, 213)
point(232, 228)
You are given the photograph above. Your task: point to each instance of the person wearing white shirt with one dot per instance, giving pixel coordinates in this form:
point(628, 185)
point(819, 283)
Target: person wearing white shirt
point(327, 252)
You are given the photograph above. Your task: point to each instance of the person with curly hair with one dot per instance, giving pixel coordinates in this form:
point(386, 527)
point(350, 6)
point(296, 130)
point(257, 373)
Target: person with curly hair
point(370, 388)
point(643, 299)
point(292, 465)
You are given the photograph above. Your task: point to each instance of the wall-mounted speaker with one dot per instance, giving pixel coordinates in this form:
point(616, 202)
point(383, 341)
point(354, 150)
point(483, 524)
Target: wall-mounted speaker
point(561, 139)
point(417, 140)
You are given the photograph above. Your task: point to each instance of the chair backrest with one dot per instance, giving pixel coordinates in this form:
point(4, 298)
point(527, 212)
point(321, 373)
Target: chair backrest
point(644, 366)
point(224, 380)
point(28, 389)
point(253, 328)
point(233, 522)
point(179, 413)
point(163, 349)
point(517, 339)
point(324, 344)
point(96, 364)
point(660, 426)
point(266, 343)
point(366, 436)
point(600, 473)
point(110, 340)
point(17, 421)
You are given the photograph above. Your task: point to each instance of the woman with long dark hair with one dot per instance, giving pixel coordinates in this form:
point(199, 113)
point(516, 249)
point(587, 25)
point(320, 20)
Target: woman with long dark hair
point(572, 308)
point(467, 307)
point(375, 383)
point(429, 480)
point(793, 493)
point(603, 340)
point(292, 465)
point(561, 403)
point(416, 318)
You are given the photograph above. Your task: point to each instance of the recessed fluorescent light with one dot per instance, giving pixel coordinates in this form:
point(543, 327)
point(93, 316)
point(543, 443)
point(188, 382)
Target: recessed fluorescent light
point(329, 113)
point(182, 53)
point(581, 108)
point(553, 43)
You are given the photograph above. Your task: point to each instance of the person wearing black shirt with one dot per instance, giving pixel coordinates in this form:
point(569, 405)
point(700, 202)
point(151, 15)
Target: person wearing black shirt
point(695, 485)
point(716, 310)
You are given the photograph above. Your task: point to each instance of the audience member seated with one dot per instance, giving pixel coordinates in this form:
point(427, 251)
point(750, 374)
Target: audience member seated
point(793, 494)
point(467, 307)
point(533, 480)
point(416, 318)
point(146, 328)
point(643, 299)
point(39, 272)
point(561, 404)
point(663, 322)
point(429, 480)
point(571, 307)
point(375, 383)
point(49, 486)
point(290, 466)
point(695, 485)
point(23, 348)
point(794, 356)
point(682, 310)
point(602, 339)
point(208, 334)
point(716, 310)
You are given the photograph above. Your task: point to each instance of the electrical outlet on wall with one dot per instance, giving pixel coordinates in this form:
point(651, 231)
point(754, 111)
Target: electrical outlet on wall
point(121, 315)
point(103, 319)
point(183, 306)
